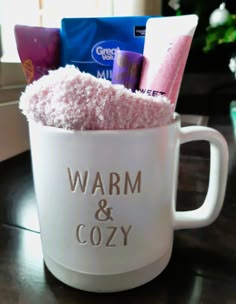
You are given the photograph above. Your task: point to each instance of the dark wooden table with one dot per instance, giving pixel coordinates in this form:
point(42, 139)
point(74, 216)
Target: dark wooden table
point(202, 268)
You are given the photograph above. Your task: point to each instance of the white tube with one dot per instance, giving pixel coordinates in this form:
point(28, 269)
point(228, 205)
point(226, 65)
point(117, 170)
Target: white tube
point(166, 48)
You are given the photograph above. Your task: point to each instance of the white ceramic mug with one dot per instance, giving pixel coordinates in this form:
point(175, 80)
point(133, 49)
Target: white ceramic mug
point(106, 200)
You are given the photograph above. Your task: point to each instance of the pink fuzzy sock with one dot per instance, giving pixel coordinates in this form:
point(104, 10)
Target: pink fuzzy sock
point(70, 99)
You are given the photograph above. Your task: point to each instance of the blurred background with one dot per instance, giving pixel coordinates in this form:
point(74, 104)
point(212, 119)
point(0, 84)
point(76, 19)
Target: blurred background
point(209, 83)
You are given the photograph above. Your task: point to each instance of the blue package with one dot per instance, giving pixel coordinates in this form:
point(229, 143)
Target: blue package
point(90, 43)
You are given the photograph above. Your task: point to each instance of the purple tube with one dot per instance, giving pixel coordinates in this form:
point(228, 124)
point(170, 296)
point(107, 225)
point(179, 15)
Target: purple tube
point(38, 49)
point(127, 69)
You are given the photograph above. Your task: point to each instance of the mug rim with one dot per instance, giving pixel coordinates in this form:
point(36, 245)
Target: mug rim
point(175, 119)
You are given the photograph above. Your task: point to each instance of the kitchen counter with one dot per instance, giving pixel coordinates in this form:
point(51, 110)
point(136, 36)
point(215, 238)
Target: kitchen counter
point(202, 268)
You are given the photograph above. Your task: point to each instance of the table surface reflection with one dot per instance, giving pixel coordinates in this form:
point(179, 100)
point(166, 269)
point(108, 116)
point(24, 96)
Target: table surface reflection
point(202, 268)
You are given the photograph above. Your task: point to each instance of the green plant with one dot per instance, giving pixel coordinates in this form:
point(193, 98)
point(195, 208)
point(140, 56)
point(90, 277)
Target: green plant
point(225, 33)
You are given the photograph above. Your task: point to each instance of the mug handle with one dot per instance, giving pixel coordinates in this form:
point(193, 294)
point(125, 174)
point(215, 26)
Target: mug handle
point(213, 203)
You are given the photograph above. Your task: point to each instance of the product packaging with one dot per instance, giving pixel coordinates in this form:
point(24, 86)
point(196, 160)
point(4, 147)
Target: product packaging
point(38, 49)
point(167, 45)
point(91, 43)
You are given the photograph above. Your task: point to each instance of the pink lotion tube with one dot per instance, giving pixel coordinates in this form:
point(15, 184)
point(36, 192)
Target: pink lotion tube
point(166, 48)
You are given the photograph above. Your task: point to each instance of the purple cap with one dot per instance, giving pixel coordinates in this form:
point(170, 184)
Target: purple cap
point(127, 69)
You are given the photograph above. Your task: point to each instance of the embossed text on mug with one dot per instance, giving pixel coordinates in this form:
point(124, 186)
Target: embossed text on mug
point(110, 236)
point(112, 183)
point(118, 183)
